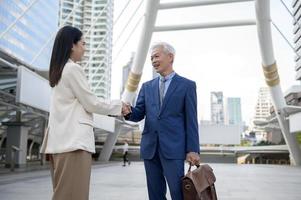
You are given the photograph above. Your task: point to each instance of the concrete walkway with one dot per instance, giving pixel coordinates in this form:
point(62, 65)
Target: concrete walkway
point(114, 182)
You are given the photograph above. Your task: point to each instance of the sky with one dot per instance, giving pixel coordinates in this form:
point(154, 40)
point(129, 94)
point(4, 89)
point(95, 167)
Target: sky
point(219, 59)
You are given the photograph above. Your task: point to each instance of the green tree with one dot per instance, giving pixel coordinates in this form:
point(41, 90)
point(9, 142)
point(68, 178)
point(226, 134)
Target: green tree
point(299, 137)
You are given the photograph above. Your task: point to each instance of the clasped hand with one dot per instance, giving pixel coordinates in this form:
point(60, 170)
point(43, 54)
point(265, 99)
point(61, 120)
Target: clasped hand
point(193, 158)
point(126, 109)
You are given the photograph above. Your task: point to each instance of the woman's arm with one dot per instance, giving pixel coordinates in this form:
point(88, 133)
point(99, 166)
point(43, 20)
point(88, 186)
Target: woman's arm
point(76, 80)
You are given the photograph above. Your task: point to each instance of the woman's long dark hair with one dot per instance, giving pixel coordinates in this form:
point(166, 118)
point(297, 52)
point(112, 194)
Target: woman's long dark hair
point(64, 40)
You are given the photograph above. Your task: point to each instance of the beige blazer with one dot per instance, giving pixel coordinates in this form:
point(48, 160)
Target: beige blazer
point(72, 103)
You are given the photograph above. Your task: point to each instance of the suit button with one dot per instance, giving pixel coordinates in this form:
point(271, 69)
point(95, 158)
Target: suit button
point(158, 117)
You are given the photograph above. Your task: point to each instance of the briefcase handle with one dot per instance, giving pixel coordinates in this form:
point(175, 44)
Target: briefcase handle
point(190, 165)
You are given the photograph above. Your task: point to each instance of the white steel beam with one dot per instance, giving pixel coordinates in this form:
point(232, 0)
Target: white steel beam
point(142, 49)
point(192, 3)
point(272, 76)
point(136, 71)
point(8, 63)
point(205, 25)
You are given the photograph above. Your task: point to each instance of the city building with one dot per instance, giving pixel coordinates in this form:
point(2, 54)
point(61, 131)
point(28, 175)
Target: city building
point(297, 35)
point(27, 29)
point(217, 107)
point(95, 19)
point(263, 105)
point(233, 111)
point(219, 134)
point(262, 112)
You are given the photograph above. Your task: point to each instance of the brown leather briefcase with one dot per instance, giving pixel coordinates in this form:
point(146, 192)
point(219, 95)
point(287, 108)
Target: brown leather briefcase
point(199, 184)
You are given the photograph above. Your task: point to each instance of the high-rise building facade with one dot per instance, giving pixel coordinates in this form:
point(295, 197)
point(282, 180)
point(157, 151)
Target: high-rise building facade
point(95, 19)
point(262, 112)
point(217, 108)
point(263, 105)
point(297, 36)
point(26, 30)
point(233, 111)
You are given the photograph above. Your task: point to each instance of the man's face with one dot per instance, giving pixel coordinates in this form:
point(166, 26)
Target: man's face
point(161, 60)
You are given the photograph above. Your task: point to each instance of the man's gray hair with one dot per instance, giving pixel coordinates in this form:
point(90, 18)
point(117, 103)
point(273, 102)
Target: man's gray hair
point(167, 48)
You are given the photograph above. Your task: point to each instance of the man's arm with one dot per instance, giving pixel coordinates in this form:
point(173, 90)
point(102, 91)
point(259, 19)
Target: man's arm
point(191, 121)
point(138, 112)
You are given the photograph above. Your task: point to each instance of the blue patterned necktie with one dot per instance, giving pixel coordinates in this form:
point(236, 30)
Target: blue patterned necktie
point(161, 89)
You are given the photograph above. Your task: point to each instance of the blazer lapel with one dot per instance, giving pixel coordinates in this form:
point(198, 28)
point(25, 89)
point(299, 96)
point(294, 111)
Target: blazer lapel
point(155, 88)
point(173, 85)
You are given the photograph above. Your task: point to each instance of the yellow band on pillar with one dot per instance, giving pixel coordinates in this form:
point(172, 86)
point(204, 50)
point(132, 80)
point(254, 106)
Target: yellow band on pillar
point(133, 82)
point(271, 75)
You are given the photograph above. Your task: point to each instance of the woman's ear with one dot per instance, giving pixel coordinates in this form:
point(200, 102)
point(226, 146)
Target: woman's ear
point(72, 49)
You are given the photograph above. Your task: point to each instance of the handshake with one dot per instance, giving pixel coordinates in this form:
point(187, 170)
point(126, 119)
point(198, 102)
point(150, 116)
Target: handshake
point(126, 109)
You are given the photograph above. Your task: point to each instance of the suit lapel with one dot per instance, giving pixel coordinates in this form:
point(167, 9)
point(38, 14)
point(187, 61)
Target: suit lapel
point(173, 85)
point(155, 88)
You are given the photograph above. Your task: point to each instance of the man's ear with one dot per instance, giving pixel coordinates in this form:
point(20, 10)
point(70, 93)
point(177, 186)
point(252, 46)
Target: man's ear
point(171, 56)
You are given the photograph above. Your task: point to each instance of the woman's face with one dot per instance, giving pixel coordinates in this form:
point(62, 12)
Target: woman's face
point(78, 50)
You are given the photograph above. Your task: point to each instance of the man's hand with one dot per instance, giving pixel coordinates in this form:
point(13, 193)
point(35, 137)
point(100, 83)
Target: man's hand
point(126, 109)
point(193, 158)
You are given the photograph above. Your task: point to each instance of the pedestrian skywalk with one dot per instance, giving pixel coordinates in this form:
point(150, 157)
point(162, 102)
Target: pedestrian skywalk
point(114, 182)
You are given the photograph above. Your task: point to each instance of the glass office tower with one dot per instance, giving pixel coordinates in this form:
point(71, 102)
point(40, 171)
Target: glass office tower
point(27, 30)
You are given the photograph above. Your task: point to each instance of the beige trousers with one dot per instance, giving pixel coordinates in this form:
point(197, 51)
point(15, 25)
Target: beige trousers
point(70, 174)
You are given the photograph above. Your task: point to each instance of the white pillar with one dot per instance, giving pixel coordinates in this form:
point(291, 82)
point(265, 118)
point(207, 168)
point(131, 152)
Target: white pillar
point(30, 150)
point(142, 49)
point(17, 135)
point(109, 144)
point(272, 76)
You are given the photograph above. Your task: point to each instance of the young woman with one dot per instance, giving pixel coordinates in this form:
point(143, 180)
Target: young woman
point(69, 141)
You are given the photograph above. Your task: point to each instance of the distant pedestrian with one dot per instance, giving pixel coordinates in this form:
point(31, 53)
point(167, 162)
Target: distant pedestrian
point(125, 154)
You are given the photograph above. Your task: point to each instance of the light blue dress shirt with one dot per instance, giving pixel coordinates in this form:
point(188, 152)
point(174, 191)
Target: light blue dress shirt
point(167, 82)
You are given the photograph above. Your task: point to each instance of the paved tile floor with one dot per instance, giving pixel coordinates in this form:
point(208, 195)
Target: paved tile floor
point(114, 182)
